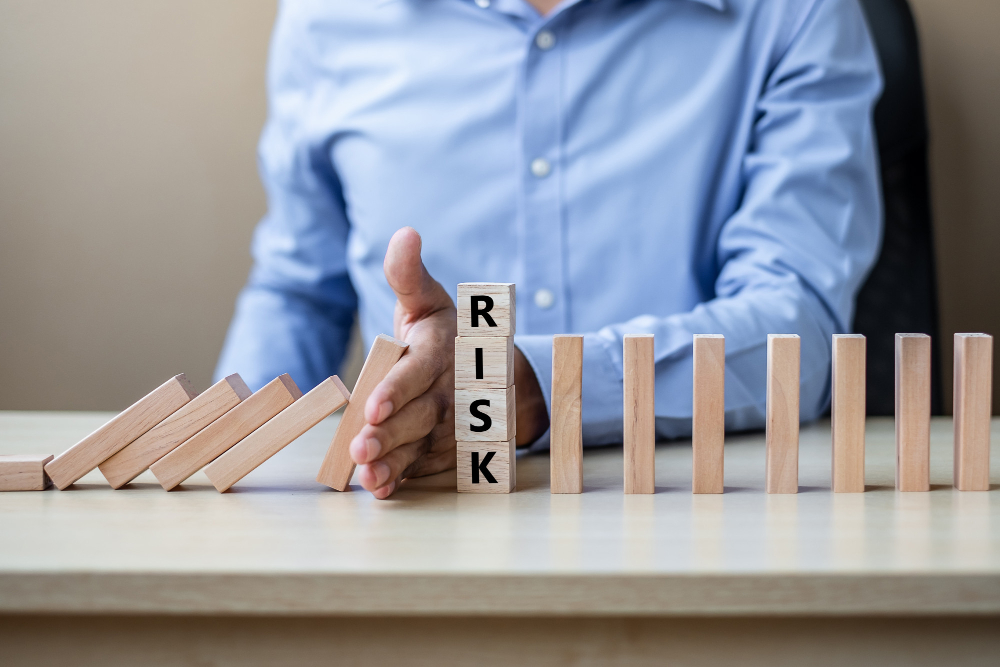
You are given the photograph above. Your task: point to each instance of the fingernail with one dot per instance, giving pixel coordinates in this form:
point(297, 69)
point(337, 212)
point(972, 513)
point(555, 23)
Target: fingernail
point(384, 410)
point(364, 450)
point(385, 491)
point(374, 448)
point(381, 472)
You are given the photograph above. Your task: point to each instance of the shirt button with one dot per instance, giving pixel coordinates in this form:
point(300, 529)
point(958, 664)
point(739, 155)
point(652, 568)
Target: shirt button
point(483, 3)
point(545, 40)
point(544, 299)
point(540, 167)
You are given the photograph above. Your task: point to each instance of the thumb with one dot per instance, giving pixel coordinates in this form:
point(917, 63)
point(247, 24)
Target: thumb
point(417, 292)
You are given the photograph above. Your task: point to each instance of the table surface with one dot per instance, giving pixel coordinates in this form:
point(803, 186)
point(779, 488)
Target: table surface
point(280, 543)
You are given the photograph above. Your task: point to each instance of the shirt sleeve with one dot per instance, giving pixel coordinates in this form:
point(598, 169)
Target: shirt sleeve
point(792, 257)
point(295, 313)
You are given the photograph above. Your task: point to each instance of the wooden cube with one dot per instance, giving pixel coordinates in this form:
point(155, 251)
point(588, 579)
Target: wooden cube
point(485, 415)
point(486, 309)
point(486, 467)
point(484, 362)
point(782, 414)
point(24, 472)
point(913, 412)
point(972, 409)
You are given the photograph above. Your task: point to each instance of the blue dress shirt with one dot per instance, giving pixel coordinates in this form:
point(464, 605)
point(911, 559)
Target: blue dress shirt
point(636, 166)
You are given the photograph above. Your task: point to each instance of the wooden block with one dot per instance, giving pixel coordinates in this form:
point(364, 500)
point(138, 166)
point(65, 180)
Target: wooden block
point(847, 413)
point(484, 362)
point(24, 472)
point(325, 399)
point(486, 467)
point(485, 415)
point(782, 418)
point(120, 432)
point(708, 419)
point(486, 309)
point(166, 436)
point(640, 414)
point(566, 439)
point(338, 467)
point(913, 412)
point(973, 406)
point(212, 441)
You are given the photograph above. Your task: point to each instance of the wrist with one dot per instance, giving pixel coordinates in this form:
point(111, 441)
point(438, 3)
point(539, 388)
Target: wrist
point(532, 416)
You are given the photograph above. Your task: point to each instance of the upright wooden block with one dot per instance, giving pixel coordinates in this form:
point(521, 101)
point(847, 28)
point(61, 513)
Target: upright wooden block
point(24, 472)
point(913, 412)
point(486, 309)
point(640, 414)
point(484, 362)
point(847, 417)
point(708, 420)
point(486, 467)
point(325, 399)
point(973, 406)
point(782, 418)
point(338, 467)
point(120, 432)
point(485, 415)
point(166, 436)
point(566, 439)
point(212, 441)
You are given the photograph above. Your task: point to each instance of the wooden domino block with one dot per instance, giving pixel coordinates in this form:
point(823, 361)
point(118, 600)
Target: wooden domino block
point(166, 436)
point(482, 362)
point(486, 467)
point(640, 414)
point(212, 441)
point(913, 412)
point(486, 309)
point(708, 419)
point(325, 399)
point(338, 467)
point(566, 440)
point(485, 415)
point(24, 472)
point(973, 406)
point(120, 432)
point(847, 413)
point(782, 418)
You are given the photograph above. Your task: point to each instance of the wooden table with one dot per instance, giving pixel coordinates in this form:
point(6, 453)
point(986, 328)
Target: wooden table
point(282, 569)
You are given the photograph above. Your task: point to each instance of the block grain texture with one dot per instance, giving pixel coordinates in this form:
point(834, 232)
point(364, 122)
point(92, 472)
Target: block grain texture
point(847, 413)
point(566, 440)
point(169, 434)
point(782, 418)
point(478, 462)
point(913, 412)
point(640, 414)
point(213, 440)
point(324, 399)
point(484, 362)
point(485, 415)
point(120, 432)
point(708, 421)
point(24, 472)
point(973, 396)
point(496, 300)
point(338, 467)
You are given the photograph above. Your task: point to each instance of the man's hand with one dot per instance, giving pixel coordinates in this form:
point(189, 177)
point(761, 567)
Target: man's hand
point(410, 416)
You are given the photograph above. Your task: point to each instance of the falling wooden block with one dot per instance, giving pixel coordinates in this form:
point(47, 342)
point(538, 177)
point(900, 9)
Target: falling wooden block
point(24, 472)
point(120, 432)
point(485, 415)
point(913, 412)
point(782, 418)
point(973, 394)
point(212, 441)
point(325, 399)
point(484, 362)
point(847, 413)
point(708, 419)
point(640, 414)
point(166, 436)
point(486, 309)
point(338, 467)
point(566, 439)
point(486, 467)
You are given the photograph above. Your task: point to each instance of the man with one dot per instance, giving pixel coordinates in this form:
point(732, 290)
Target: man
point(635, 166)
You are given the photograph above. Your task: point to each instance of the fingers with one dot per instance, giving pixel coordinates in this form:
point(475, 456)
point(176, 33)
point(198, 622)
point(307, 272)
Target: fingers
point(425, 365)
point(382, 477)
point(417, 292)
point(413, 421)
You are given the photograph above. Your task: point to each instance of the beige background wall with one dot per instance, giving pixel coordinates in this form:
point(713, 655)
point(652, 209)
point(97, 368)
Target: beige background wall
point(128, 186)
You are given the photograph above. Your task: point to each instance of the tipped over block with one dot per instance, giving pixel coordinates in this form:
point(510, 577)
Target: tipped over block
point(485, 415)
point(484, 362)
point(913, 412)
point(566, 439)
point(324, 399)
point(486, 467)
point(782, 414)
point(212, 441)
point(338, 467)
point(120, 432)
point(169, 434)
point(486, 309)
point(639, 432)
point(847, 413)
point(708, 420)
point(973, 406)
point(24, 472)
